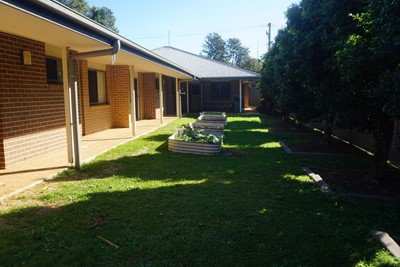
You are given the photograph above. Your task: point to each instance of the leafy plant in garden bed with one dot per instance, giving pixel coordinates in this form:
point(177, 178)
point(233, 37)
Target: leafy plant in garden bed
point(194, 141)
point(187, 133)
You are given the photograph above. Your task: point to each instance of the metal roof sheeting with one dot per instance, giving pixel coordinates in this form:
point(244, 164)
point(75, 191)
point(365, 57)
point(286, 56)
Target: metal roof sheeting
point(204, 68)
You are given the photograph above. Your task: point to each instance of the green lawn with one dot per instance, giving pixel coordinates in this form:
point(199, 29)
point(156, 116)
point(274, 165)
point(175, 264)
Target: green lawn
point(168, 209)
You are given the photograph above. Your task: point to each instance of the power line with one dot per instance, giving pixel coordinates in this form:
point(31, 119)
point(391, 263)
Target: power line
point(199, 32)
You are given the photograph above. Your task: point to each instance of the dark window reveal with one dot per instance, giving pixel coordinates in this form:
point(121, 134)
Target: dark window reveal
point(97, 87)
point(221, 90)
point(54, 70)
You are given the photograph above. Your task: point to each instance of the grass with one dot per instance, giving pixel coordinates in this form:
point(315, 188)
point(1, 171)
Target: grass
point(168, 209)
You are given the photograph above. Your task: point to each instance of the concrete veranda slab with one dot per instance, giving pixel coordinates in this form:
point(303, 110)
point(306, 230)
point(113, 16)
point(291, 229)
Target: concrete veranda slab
point(28, 174)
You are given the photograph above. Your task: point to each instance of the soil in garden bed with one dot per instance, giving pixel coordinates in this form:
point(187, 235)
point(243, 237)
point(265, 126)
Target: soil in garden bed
point(356, 181)
point(334, 147)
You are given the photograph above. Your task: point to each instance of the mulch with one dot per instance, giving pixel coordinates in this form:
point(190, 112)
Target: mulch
point(357, 181)
point(334, 147)
point(344, 181)
point(292, 130)
point(350, 181)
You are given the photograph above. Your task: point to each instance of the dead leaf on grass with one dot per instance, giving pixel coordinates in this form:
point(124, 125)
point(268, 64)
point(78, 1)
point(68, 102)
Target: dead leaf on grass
point(98, 221)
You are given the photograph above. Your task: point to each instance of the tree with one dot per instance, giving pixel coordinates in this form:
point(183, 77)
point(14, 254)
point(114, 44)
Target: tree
point(214, 47)
point(102, 15)
point(370, 61)
point(251, 63)
point(80, 6)
point(237, 53)
point(230, 51)
point(349, 65)
point(323, 36)
point(305, 67)
point(282, 82)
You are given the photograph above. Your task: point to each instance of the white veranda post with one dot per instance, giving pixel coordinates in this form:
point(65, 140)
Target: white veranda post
point(133, 100)
point(160, 89)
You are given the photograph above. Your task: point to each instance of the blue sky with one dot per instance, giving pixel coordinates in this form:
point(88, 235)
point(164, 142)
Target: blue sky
point(188, 22)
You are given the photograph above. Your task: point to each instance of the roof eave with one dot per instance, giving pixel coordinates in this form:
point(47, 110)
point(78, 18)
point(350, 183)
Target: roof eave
point(57, 13)
point(231, 78)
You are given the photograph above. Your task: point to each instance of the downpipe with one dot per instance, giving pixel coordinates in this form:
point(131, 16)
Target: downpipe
point(73, 92)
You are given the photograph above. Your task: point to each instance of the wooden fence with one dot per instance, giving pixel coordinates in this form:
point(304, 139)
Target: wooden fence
point(365, 140)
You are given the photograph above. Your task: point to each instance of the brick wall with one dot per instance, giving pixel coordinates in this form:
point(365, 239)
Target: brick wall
point(118, 87)
point(149, 95)
point(94, 118)
point(32, 121)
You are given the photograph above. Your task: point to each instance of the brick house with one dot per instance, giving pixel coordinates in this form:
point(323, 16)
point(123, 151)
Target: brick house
point(219, 87)
point(59, 81)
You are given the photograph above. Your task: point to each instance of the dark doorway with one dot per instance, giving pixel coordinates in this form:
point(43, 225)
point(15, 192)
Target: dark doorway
point(169, 96)
point(194, 97)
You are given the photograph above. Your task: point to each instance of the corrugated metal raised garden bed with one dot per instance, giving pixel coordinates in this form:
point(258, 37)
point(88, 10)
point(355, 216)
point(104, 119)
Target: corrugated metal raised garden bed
point(200, 142)
point(216, 128)
point(212, 117)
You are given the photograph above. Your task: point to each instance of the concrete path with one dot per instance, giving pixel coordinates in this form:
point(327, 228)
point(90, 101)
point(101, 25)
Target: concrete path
point(23, 176)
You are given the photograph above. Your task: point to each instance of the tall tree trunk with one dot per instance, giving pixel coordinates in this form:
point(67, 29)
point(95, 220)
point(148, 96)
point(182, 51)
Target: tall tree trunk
point(326, 137)
point(382, 142)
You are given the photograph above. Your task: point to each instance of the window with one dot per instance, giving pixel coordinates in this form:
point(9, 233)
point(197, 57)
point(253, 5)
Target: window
point(97, 87)
point(54, 70)
point(221, 90)
point(194, 89)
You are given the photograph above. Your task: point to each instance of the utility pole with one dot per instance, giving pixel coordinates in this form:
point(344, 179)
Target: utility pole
point(269, 36)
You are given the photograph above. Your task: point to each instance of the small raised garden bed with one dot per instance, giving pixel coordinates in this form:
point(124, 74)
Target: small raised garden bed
point(216, 113)
point(216, 128)
point(188, 140)
point(212, 116)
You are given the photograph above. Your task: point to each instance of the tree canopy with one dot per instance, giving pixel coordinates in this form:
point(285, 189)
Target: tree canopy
point(237, 53)
point(231, 51)
point(214, 47)
point(339, 61)
point(102, 15)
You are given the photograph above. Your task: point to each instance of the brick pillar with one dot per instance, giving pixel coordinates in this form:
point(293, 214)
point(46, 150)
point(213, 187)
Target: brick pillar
point(118, 86)
point(147, 86)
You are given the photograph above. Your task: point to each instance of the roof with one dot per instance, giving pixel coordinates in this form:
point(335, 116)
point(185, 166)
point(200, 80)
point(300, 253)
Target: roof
point(204, 68)
point(69, 28)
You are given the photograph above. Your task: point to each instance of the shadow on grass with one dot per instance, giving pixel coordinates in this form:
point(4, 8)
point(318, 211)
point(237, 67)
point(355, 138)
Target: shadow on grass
point(168, 209)
point(210, 219)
